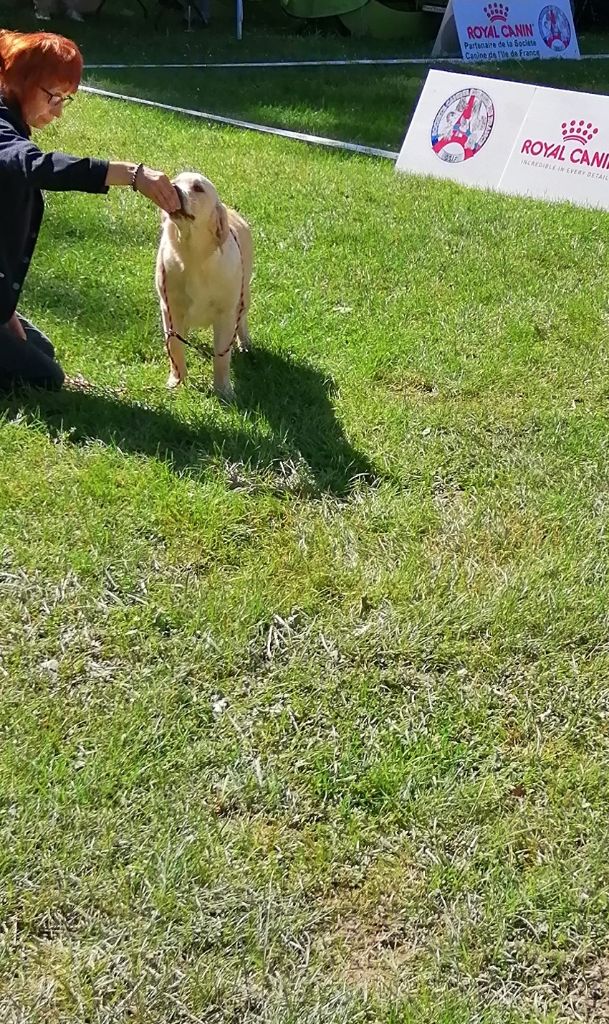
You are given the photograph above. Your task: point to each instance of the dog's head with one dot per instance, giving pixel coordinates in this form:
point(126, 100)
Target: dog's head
point(200, 206)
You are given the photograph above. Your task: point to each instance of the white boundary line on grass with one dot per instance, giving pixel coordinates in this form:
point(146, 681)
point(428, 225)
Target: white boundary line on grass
point(309, 63)
point(318, 140)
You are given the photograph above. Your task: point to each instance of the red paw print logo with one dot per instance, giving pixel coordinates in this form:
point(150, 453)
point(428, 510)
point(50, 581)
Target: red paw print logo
point(497, 12)
point(578, 131)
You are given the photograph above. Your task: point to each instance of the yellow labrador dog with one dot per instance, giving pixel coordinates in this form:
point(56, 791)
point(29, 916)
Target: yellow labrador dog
point(203, 272)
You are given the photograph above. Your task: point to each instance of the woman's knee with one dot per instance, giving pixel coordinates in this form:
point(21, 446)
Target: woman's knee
point(37, 338)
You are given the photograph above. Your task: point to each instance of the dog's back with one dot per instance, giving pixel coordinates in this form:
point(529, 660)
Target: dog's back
point(242, 230)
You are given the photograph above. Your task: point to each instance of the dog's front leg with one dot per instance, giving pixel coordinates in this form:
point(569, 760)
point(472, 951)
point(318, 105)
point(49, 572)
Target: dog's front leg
point(175, 350)
point(223, 338)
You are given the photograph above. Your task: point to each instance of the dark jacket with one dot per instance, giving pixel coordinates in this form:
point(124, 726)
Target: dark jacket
point(24, 171)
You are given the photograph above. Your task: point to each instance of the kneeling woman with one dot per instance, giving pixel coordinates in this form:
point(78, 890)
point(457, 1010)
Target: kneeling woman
point(39, 74)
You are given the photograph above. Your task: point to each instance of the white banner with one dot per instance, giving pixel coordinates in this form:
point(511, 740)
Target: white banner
point(521, 139)
point(515, 29)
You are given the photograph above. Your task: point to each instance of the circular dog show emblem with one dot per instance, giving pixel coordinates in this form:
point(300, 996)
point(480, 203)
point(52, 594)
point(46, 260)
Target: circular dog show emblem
point(554, 28)
point(462, 125)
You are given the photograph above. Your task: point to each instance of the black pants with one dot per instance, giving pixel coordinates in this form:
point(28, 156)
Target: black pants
point(31, 362)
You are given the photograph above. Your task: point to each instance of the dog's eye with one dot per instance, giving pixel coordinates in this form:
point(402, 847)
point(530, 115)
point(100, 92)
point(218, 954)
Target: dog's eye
point(197, 187)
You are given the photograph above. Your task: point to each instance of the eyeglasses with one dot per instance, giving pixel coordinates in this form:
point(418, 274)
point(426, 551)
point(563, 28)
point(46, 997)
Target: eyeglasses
point(55, 100)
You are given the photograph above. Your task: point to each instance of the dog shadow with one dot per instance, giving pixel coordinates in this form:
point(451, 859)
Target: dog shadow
point(293, 398)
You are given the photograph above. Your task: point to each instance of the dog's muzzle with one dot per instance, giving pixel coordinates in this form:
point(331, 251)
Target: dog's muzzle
point(182, 213)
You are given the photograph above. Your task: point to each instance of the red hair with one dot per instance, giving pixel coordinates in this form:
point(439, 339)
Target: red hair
point(31, 59)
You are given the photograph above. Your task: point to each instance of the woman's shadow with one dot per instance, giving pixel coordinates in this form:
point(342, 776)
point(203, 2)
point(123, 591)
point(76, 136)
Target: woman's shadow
point(292, 397)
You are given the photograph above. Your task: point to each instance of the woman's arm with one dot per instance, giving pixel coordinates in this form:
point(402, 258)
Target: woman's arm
point(62, 173)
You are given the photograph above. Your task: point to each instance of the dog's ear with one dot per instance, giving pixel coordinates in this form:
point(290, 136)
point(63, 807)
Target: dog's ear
point(220, 224)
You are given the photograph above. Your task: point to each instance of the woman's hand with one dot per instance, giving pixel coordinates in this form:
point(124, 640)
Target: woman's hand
point(157, 187)
point(15, 325)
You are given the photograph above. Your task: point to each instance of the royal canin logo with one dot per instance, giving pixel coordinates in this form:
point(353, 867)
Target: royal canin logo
point(498, 26)
point(578, 131)
point(582, 133)
point(497, 12)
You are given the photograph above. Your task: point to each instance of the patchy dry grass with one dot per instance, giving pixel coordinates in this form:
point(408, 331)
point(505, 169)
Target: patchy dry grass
point(304, 707)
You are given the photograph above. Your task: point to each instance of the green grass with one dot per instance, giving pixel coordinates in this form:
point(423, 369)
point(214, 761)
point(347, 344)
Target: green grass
point(305, 702)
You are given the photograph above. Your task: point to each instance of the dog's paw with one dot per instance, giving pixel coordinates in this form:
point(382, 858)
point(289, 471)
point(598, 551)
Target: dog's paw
point(244, 344)
point(173, 381)
point(225, 394)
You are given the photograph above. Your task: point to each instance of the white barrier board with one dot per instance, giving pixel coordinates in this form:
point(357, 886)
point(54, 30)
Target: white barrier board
point(515, 29)
point(464, 128)
point(562, 149)
point(521, 139)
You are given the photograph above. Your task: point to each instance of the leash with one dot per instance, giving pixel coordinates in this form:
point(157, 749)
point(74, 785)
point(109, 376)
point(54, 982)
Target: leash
point(172, 333)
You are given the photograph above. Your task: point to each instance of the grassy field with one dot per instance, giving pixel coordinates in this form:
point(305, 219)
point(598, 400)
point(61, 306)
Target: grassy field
point(305, 702)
